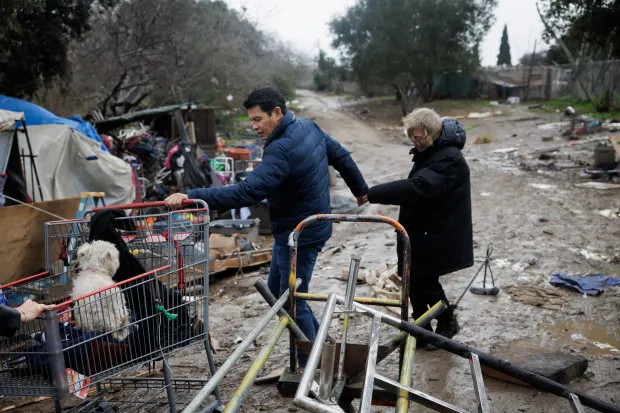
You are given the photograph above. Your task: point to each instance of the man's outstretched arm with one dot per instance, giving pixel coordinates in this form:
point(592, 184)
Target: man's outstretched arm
point(263, 181)
point(341, 160)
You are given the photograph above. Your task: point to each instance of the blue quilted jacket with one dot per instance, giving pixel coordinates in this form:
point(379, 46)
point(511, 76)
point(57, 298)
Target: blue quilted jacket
point(293, 178)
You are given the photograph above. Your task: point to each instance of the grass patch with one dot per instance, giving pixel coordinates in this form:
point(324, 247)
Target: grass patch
point(482, 139)
point(241, 118)
point(384, 98)
point(470, 127)
point(581, 106)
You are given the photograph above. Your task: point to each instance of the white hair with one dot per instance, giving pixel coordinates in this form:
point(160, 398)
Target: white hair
point(426, 120)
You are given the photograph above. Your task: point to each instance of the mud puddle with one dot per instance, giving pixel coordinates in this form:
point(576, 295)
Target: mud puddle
point(585, 336)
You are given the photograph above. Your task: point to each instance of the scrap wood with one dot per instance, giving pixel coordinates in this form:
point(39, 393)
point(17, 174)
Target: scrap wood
point(538, 297)
point(248, 259)
point(25, 403)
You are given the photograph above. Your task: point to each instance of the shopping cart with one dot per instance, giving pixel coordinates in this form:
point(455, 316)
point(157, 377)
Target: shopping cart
point(167, 302)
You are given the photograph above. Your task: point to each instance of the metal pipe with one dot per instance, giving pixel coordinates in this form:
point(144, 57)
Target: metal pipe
point(242, 391)
point(354, 267)
point(575, 405)
point(55, 354)
point(417, 396)
point(169, 390)
point(479, 390)
point(502, 366)
point(264, 291)
point(292, 289)
point(432, 313)
point(301, 396)
point(371, 364)
point(204, 393)
point(406, 375)
point(384, 302)
point(328, 357)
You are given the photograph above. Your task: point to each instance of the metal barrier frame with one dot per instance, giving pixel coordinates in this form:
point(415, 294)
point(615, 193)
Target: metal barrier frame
point(403, 303)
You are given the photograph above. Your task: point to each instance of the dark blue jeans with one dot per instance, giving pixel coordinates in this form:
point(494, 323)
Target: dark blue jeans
point(278, 284)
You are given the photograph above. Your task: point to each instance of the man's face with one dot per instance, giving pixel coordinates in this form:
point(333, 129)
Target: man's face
point(262, 122)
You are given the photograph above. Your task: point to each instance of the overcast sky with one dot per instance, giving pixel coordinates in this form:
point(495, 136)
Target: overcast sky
point(303, 23)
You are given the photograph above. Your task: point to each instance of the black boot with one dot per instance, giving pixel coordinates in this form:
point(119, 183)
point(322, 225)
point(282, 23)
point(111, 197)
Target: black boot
point(447, 324)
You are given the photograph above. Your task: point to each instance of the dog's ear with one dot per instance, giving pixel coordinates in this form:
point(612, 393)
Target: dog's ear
point(82, 251)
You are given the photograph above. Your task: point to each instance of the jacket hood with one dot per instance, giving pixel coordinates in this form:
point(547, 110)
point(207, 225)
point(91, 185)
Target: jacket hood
point(452, 134)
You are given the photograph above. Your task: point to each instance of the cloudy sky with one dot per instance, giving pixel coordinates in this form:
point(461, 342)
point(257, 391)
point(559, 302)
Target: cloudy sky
point(304, 24)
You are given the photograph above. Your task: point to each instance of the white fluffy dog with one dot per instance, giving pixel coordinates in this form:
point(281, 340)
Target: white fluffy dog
point(107, 310)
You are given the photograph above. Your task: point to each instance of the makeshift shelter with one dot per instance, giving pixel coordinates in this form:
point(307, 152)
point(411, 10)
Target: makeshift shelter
point(60, 163)
point(36, 115)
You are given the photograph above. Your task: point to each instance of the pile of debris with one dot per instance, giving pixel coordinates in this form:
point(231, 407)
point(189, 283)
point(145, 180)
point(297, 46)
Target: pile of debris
point(384, 280)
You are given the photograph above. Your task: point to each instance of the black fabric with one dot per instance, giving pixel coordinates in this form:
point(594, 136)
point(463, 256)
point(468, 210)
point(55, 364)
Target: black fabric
point(15, 185)
point(141, 297)
point(425, 292)
point(435, 206)
point(10, 321)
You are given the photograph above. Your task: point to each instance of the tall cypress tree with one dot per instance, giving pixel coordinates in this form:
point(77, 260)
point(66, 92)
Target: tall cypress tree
point(503, 58)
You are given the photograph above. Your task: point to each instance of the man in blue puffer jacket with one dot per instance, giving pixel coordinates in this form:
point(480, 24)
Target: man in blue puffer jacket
point(293, 177)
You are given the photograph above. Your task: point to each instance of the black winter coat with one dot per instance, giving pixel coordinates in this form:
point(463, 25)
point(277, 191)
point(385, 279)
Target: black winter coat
point(435, 205)
point(10, 321)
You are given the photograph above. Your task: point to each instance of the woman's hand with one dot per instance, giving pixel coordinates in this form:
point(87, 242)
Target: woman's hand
point(30, 310)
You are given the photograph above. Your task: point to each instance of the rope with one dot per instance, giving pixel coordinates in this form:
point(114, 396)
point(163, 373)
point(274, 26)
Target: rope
point(34, 207)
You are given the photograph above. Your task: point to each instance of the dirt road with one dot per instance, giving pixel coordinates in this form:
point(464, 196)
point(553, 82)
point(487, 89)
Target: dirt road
point(538, 222)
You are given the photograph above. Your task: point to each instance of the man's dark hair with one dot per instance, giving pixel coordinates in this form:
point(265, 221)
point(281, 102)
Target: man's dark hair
point(267, 98)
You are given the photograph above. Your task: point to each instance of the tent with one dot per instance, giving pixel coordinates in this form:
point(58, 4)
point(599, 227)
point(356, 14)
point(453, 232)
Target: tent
point(68, 163)
point(36, 115)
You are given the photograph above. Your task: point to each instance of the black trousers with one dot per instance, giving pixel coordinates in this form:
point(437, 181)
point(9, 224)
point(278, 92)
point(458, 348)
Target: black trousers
point(425, 293)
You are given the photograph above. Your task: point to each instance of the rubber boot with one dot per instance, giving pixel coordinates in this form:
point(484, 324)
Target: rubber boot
point(447, 324)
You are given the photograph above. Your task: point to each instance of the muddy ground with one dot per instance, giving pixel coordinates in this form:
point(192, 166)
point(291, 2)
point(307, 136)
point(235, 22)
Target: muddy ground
point(539, 224)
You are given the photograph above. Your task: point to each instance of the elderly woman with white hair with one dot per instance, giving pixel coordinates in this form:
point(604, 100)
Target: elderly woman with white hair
point(435, 209)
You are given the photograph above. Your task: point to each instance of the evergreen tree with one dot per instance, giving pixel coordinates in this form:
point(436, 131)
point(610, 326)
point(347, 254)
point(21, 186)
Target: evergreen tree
point(503, 58)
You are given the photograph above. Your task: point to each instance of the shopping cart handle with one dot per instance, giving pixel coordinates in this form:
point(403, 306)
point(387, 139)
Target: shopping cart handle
point(140, 205)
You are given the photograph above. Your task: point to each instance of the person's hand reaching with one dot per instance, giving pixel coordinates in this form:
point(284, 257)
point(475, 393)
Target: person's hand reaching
point(361, 200)
point(175, 200)
point(30, 310)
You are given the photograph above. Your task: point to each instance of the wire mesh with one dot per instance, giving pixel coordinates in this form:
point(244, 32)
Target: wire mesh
point(86, 340)
point(144, 395)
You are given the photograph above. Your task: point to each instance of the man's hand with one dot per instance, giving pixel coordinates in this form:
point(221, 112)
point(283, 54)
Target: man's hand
point(361, 200)
point(175, 200)
point(30, 310)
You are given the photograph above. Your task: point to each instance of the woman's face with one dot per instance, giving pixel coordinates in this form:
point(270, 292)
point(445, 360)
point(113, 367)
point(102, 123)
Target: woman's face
point(419, 140)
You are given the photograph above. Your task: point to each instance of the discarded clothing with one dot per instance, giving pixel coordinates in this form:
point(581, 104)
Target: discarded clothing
point(590, 284)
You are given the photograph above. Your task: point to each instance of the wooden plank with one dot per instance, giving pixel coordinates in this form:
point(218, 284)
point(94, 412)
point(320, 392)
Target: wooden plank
point(23, 243)
point(248, 259)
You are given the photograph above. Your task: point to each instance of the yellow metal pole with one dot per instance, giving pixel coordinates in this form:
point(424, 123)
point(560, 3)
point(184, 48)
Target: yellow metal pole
point(362, 300)
point(406, 375)
point(242, 391)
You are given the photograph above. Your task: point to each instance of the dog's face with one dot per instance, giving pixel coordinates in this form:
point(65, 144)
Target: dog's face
point(100, 256)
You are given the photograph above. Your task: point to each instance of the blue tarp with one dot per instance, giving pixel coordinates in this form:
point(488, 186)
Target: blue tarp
point(590, 284)
point(36, 115)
